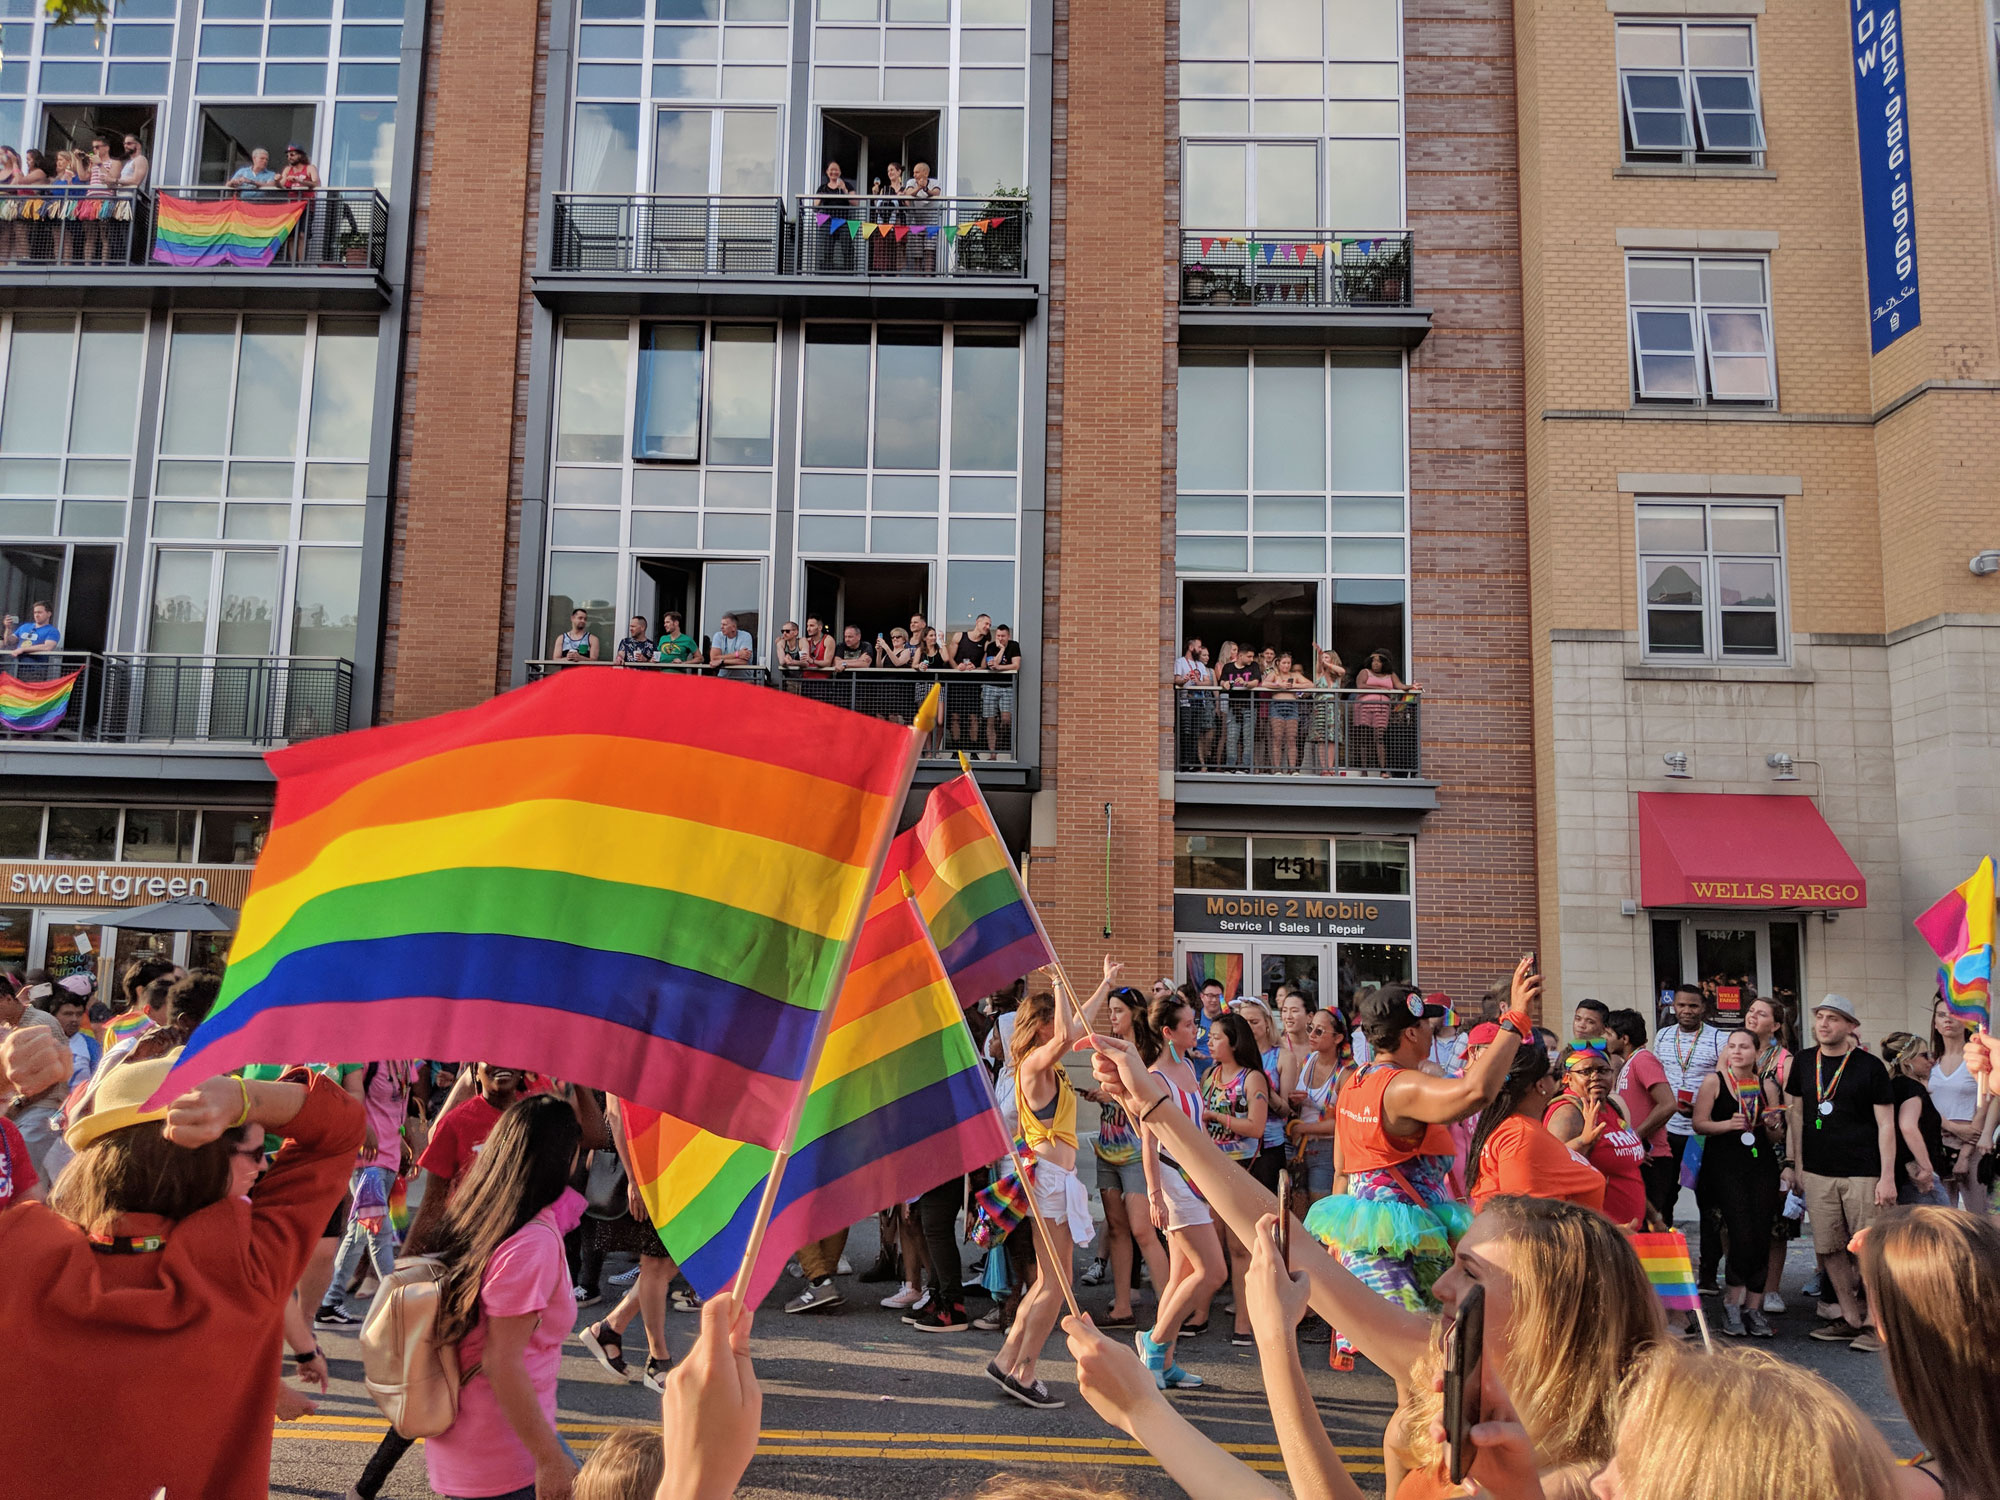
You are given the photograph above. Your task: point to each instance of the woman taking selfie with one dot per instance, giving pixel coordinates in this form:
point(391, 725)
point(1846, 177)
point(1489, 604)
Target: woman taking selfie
point(1741, 1121)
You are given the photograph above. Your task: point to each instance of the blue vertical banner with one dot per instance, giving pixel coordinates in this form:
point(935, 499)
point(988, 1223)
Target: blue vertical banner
point(1888, 219)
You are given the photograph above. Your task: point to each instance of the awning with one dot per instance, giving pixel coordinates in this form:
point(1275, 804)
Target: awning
point(1738, 850)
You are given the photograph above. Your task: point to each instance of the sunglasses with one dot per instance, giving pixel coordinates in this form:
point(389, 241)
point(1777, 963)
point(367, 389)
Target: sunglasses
point(1595, 1044)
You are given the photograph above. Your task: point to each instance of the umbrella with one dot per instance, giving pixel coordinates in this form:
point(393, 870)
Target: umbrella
point(181, 914)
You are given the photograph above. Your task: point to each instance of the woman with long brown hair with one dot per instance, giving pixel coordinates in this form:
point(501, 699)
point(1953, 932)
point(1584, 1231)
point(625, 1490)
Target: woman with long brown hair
point(1966, 1115)
point(508, 1304)
point(1933, 1281)
point(1121, 1181)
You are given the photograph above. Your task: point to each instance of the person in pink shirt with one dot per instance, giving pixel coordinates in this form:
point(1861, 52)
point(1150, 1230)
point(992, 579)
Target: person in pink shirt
point(1649, 1104)
point(508, 1303)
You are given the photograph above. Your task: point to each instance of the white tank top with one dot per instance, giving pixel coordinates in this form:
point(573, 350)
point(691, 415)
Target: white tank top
point(1956, 1095)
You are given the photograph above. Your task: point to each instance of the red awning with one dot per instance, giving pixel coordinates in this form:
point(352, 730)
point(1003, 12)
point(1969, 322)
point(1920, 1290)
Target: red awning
point(1719, 849)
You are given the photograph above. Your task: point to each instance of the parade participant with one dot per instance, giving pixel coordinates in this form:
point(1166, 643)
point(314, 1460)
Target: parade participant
point(1280, 1072)
point(1235, 1101)
point(1956, 1094)
point(1766, 1020)
point(1741, 1121)
point(1163, 1037)
point(1920, 1148)
point(1841, 1131)
point(1047, 1105)
point(628, 1465)
point(1589, 1118)
point(633, 1233)
point(1590, 1019)
point(1688, 1052)
point(1395, 1224)
point(506, 1302)
point(1933, 1279)
point(1121, 1181)
point(1313, 1119)
point(1514, 1153)
point(144, 1266)
point(1649, 1104)
point(34, 1115)
point(387, 1092)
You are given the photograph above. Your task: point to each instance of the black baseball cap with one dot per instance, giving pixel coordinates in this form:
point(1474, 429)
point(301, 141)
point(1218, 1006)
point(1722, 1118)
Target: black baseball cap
point(1396, 1007)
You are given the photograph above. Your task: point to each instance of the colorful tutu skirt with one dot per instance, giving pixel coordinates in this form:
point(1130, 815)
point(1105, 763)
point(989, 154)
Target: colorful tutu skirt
point(1398, 1245)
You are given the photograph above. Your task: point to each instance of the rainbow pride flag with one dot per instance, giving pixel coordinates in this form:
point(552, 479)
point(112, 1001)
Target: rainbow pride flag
point(641, 883)
point(126, 1024)
point(1226, 969)
point(29, 707)
point(221, 231)
point(899, 1103)
point(1959, 929)
point(968, 891)
point(1665, 1259)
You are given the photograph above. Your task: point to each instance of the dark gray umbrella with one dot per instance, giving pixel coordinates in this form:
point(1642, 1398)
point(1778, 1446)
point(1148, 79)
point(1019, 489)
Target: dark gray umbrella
point(181, 914)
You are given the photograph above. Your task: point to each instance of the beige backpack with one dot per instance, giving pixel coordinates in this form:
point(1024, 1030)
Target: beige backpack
point(410, 1376)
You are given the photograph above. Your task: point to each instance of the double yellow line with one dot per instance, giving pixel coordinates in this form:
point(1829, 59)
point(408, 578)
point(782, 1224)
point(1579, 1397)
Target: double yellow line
point(898, 1447)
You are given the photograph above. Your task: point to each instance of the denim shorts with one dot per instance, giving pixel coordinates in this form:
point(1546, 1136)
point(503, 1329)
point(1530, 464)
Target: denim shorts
point(1126, 1177)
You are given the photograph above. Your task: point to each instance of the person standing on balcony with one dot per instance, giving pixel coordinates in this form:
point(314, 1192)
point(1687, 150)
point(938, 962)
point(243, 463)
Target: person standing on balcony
point(898, 650)
point(301, 179)
point(1371, 712)
point(1240, 677)
point(1323, 727)
point(576, 643)
point(252, 175)
point(97, 206)
point(836, 200)
point(996, 699)
point(35, 643)
point(676, 646)
point(1197, 704)
point(134, 169)
point(889, 211)
point(922, 219)
point(637, 648)
point(1284, 683)
point(733, 651)
point(852, 655)
point(968, 654)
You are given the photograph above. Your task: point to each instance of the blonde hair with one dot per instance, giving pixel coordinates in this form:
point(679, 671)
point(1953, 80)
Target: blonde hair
point(628, 1465)
point(1900, 1048)
point(1583, 1309)
point(1036, 1012)
point(1933, 1278)
point(1683, 1433)
point(1271, 1027)
point(1024, 1487)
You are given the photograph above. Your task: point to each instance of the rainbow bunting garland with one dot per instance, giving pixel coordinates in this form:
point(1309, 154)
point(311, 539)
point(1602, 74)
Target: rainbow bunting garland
point(861, 229)
point(639, 883)
point(222, 232)
point(1666, 1263)
point(30, 707)
point(966, 888)
point(899, 1103)
point(1960, 930)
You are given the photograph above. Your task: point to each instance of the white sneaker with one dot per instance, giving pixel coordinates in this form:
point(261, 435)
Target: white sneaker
point(908, 1296)
point(1773, 1303)
point(845, 1268)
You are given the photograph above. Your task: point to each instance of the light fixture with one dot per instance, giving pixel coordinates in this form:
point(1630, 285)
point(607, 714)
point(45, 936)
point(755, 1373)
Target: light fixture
point(1781, 763)
point(1985, 563)
point(1677, 764)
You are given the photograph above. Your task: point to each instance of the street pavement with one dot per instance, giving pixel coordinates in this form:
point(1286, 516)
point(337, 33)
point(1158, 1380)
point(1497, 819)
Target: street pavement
point(858, 1404)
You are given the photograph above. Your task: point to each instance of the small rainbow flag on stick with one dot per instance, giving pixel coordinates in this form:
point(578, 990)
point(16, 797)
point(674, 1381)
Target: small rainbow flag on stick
point(981, 920)
point(645, 884)
point(1960, 931)
point(1667, 1266)
point(221, 232)
point(30, 707)
point(899, 1103)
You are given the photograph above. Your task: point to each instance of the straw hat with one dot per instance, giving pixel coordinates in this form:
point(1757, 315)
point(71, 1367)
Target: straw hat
point(119, 1101)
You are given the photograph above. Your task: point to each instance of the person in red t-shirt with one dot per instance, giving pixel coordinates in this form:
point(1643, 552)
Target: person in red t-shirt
point(1589, 1118)
point(1649, 1104)
point(1513, 1152)
point(19, 1182)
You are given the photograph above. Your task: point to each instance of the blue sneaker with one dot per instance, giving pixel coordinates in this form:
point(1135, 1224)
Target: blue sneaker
point(1182, 1380)
point(1154, 1355)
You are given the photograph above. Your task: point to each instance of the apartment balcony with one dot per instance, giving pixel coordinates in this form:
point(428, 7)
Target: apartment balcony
point(1319, 747)
point(1313, 286)
point(152, 246)
point(621, 253)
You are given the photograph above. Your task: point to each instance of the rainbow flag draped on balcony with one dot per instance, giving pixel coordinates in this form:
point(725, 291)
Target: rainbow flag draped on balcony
point(1960, 930)
point(221, 232)
point(30, 707)
point(644, 884)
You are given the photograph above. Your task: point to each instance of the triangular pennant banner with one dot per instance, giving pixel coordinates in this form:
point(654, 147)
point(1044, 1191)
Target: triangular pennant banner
point(821, 218)
point(902, 233)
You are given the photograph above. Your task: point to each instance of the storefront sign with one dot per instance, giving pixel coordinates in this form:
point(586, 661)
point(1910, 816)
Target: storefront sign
point(1370, 918)
point(50, 884)
point(1888, 220)
point(1811, 893)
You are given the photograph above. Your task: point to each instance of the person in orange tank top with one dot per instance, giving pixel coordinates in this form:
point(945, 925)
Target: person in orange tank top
point(1513, 1152)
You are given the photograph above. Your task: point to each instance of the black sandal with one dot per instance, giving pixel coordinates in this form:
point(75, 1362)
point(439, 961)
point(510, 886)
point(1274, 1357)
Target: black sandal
point(607, 1348)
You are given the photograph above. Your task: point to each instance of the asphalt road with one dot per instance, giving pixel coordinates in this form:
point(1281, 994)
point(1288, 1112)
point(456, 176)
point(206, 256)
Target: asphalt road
point(857, 1404)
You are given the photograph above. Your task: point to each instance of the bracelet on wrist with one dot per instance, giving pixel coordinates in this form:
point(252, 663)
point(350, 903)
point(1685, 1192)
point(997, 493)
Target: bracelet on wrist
point(244, 1118)
point(308, 1357)
point(1148, 1114)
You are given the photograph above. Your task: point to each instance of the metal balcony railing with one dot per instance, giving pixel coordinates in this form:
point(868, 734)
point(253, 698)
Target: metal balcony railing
point(161, 698)
point(756, 676)
point(662, 235)
point(860, 235)
point(64, 228)
point(976, 715)
point(1318, 732)
point(1308, 270)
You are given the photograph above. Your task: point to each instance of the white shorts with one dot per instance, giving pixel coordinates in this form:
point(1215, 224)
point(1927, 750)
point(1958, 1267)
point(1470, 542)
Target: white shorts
point(1060, 1196)
point(1184, 1209)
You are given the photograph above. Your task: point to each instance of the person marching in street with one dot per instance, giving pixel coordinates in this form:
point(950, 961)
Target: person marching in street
point(1920, 1145)
point(1739, 1115)
point(1235, 1100)
point(1768, 1020)
point(1121, 1182)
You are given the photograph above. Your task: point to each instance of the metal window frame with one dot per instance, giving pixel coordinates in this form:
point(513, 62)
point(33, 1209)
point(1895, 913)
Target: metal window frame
point(1632, 111)
point(1710, 609)
point(1697, 310)
point(1697, 150)
point(1710, 357)
point(1702, 111)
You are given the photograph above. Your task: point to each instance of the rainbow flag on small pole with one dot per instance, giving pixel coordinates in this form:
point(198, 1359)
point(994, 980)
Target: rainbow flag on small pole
point(222, 231)
point(899, 1103)
point(30, 707)
point(1960, 930)
point(649, 885)
point(1668, 1266)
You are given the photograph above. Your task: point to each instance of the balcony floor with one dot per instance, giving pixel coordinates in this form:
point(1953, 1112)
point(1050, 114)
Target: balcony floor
point(344, 289)
point(625, 293)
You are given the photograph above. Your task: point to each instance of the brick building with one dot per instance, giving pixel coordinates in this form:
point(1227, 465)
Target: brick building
point(1755, 462)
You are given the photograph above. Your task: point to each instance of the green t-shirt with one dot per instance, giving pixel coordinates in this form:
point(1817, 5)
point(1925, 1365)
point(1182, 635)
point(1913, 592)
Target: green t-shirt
point(676, 648)
point(271, 1072)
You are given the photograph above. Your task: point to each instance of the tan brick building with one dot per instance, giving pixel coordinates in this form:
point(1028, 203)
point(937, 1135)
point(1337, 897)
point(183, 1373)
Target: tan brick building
point(1751, 534)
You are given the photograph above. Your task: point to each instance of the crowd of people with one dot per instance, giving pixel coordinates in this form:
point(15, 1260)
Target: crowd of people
point(898, 200)
point(1261, 711)
point(213, 1236)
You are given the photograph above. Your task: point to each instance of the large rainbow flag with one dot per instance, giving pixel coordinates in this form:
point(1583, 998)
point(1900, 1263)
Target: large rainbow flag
point(641, 883)
point(1667, 1266)
point(1959, 929)
point(30, 707)
point(899, 1103)
point(221, 231)
point(967, 889)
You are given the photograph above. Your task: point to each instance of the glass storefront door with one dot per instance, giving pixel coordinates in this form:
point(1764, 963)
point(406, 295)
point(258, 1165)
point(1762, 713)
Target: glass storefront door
point(1297, 965)
point(1733, 957)
point(70, 947)
point(1225, 965)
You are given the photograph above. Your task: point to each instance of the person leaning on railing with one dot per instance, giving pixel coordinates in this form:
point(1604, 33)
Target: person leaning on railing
point(922, 215)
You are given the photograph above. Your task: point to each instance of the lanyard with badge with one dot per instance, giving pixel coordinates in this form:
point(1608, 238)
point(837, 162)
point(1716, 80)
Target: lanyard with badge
point(1822, 1089)
point(1750, 1105)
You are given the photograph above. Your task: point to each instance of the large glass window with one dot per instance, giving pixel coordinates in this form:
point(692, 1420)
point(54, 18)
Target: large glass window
point(1701, 329)
point(261, 484)
point(67, 420)
point(1689, 91)
point(1292, 466)
point(1714, 577)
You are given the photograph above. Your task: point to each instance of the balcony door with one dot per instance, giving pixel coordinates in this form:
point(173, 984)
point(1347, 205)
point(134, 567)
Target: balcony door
point(1234, 185)
point(701, 155)
point(71, 127)
point(214, 627)
point(864, 142)
point(231, 132)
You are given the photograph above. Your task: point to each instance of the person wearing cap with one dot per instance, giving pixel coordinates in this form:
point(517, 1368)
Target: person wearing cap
point(34, 1115)
point(1395, 1225)
point(1841, 1136)
point(69, 1005)
point(147, 1271)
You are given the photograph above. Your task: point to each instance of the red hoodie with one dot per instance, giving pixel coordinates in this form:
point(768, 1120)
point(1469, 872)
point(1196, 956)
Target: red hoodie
point(183, 1342)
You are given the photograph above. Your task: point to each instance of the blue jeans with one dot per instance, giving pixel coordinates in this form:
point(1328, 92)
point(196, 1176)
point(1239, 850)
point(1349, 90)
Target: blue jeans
point(1239, 733)
point(380, 1245)
point(1908, 1192)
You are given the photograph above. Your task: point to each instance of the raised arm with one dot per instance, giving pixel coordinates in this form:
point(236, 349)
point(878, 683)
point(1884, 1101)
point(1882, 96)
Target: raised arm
point(1277, 1299)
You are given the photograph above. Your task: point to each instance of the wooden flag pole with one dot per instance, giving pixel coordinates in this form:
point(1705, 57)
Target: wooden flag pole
point(920, 729)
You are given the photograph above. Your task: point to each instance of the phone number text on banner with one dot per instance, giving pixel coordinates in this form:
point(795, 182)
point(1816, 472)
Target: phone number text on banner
point(1888, 220)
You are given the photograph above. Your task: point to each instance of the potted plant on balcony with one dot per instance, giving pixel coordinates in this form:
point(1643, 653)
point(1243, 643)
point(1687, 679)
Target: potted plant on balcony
point(1381, 278)
point(1001, 248)
point(353, 245)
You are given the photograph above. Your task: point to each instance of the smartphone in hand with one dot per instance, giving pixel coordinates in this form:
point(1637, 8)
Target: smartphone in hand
point(1464, 1349)
point(1285, 1218)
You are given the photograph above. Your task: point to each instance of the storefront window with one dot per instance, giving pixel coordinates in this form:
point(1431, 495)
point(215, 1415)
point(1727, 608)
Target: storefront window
point(20, 831)
point(1210, 862)
point(232, 836)
point(72, 948)
point(1290, 865)
point(83, 833)
point(158, 835)
point(1372, 964)
point(1372, 867)
point(1225, 969)
point(14, 923)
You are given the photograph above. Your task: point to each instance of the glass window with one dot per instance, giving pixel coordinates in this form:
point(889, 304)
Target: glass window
point(590, 415)
point(1371, 867)
point(668, 425)
point(973, 589)
point(1689, 92)
point(87, 834)
point(20, 830)
point(909, 375)
point(1290, 428)
point(38, 383)
point(1368, 442)
point(157, 836)
point(742, 371)
point(270, 366)
point(985, 399)
point(363, 146)
point(1718, 600)
point(1285, 864)
point(232, 836)
point(1214, 420)
point(110, 360)
point(326, 602)
point(604, 155)
point(1210, 862)
point(1701, 330)
point(343, 400)
point(836, 397)
point(991, 147)
point(200, 362)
